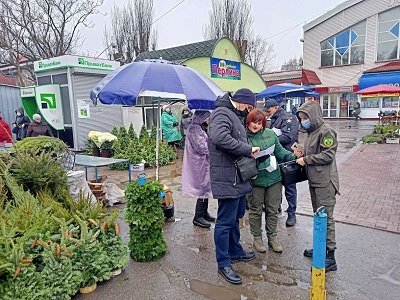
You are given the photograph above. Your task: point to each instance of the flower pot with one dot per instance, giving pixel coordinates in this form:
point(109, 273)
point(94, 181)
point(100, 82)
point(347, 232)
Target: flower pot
point(88, 289)
point(105, 153)
point(96, 151)
point(116, 272)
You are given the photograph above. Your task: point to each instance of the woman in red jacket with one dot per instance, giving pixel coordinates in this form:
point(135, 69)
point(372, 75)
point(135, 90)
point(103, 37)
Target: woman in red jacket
point(5, 131)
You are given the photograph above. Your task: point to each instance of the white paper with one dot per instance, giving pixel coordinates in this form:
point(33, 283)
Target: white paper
point(83, 109)
point(272, 164)
point(277, 131)
point(267, 151)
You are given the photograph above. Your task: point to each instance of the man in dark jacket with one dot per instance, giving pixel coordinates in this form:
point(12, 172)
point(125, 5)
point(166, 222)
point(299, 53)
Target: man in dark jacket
point(319, 159)
point(228, 142)
point(20, 125)
point(286, 128)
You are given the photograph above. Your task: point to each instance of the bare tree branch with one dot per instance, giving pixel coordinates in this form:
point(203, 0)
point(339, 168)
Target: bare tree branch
point(42, 28)
point(131, 30)
point(233, 19)
point(260, 54)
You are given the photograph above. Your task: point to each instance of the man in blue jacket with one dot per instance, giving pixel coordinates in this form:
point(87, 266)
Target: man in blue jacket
point(286, 127)
point(228, 142)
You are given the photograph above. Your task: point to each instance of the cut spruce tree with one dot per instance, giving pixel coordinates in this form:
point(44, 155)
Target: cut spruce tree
point(145, 217)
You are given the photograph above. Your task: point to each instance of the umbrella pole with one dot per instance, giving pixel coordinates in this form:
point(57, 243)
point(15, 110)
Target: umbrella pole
point(158, 139)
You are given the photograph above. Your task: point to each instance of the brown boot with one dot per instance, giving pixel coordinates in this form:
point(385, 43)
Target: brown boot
point(259, 245)
point(274, 244)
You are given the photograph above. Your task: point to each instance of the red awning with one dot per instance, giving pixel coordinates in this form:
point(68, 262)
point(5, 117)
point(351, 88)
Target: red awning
point(380, 90)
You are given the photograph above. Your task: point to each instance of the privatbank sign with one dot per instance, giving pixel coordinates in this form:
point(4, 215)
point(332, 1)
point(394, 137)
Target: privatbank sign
point(68, 61)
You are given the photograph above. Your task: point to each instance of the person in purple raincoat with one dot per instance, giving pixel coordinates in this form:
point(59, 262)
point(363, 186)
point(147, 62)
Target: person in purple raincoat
point(196, 168)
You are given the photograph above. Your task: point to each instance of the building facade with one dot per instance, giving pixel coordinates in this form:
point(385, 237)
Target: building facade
point(344, 44)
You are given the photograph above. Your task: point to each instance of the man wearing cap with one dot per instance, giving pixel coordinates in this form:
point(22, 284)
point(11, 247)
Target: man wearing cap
point(37, 128)
point(228, 142)
point(286, 127)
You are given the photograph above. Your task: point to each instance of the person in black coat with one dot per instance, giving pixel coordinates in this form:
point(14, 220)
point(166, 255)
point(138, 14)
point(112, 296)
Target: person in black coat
point(228, 142)
point(286, 127)
point(20, 126)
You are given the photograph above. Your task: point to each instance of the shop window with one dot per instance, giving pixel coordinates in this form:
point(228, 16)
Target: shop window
point(44, 80)
point(370, 103)
point(388, 35)
point(390, 102)
point(345, 48)
point(60, 79)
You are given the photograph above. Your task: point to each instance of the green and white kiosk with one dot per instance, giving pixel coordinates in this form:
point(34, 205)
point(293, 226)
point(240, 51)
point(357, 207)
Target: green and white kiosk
point(61, 96)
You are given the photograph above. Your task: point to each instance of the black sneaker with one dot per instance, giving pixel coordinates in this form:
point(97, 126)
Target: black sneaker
point(230, 275)
point(247, 256)
point(308, 252)
point(291, 220)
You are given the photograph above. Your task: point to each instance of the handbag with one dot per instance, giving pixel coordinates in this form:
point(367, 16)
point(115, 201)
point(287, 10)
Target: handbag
point(292, 172)
point(246, 168)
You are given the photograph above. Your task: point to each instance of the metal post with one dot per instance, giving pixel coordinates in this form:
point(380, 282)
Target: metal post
point(158, 138)
point(318, 291)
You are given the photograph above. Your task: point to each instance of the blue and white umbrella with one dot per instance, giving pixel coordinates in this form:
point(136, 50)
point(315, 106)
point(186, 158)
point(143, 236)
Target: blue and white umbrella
point(284, 90)
point(156, 78)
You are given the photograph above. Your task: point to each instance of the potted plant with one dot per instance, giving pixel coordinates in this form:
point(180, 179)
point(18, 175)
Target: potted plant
point(106, 149)
point(93, 142)
point(105, 143)
point(146, 219)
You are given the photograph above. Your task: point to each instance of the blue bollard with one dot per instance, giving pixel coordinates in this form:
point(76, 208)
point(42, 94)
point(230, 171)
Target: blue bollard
point(318, 291)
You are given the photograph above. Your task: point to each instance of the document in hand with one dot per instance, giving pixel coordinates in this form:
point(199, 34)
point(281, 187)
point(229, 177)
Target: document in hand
point(267, 151)
point(277, 131)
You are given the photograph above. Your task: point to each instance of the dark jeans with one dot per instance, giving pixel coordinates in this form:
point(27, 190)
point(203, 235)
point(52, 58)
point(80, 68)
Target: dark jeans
point(291, 198)
point(227, 232)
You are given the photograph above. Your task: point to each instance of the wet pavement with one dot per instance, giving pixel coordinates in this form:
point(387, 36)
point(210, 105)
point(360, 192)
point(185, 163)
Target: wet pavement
point(368, 259)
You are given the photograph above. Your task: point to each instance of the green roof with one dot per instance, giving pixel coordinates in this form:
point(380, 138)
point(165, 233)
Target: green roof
point(181, 53)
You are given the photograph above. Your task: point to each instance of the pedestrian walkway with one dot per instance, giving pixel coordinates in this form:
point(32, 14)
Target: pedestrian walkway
point(369, 189)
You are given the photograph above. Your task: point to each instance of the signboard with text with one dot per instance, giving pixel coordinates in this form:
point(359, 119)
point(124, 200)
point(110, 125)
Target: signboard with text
point(48, 100)
point(66, 61)
point(225, 69)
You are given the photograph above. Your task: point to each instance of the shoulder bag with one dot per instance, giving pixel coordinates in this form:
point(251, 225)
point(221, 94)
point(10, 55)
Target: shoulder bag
point(292, 172)
point(246, 168)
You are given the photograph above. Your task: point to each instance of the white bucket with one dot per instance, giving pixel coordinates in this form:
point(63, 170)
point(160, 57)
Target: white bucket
point(137, 167)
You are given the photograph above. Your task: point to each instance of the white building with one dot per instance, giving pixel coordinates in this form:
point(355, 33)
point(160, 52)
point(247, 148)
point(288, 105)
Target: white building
point(351, 47)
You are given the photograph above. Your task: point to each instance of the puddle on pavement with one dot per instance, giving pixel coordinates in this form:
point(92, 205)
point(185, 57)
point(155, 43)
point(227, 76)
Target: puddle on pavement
point(216, 292)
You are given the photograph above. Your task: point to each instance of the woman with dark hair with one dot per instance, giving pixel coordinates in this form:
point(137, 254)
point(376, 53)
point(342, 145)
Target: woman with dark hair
point(267, 187)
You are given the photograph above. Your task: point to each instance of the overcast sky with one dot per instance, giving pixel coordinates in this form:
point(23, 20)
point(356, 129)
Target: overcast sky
point(185, 23)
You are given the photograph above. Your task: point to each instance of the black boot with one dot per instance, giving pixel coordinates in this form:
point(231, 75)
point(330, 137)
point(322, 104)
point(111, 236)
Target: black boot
point(198, 219)
point(206, 214)
point(291, 220)
point(330, 263)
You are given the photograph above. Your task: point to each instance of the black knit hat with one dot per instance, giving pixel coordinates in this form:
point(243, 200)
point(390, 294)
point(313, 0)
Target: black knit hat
point(244, 96)
point(270, 103)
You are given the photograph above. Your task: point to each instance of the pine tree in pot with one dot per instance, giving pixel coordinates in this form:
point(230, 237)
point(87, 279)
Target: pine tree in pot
point(146, 219)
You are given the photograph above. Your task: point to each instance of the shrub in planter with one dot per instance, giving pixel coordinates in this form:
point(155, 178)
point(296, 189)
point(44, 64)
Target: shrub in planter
point(373, 138)
point(146, 219)
point(41, 144)
point(116, 249)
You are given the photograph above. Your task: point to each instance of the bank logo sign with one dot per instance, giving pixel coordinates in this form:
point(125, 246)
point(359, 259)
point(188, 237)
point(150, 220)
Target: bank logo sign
point(225, 69)
point(94, 64)
point(68, 61)
point(49, 103)
point(49, 65)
